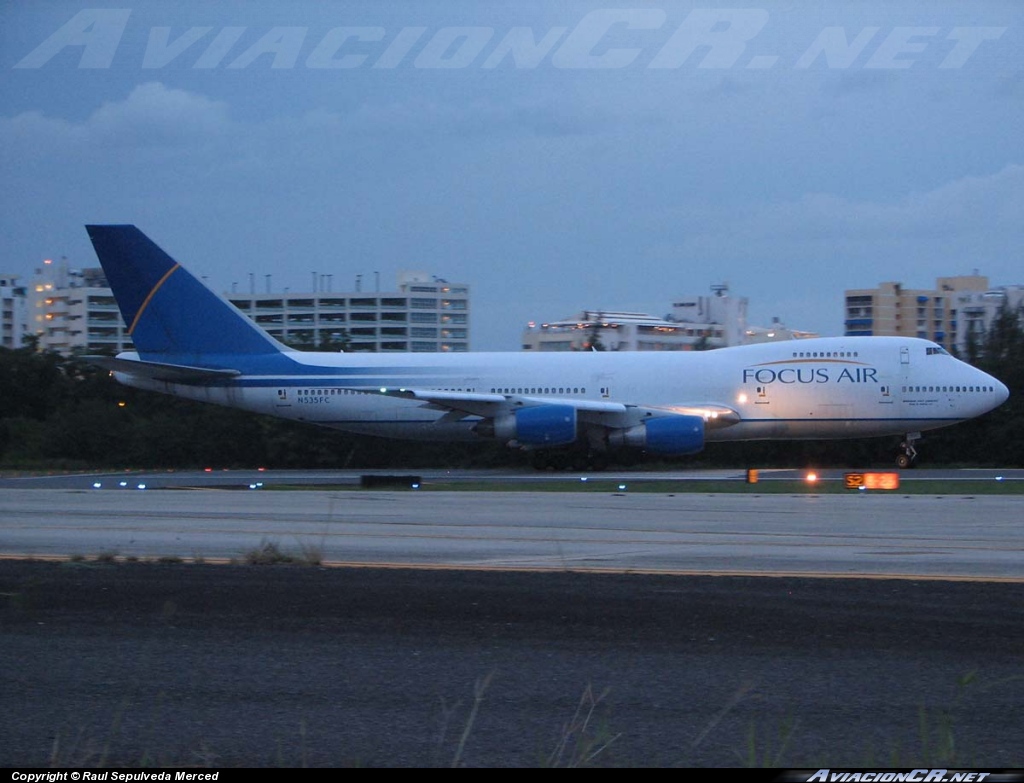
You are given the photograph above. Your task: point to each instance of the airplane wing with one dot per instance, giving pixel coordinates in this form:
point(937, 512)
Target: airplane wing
point(608, 414)
point(157, 371)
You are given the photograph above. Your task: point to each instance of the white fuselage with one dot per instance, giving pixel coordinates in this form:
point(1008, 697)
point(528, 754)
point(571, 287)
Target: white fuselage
point(804, 389)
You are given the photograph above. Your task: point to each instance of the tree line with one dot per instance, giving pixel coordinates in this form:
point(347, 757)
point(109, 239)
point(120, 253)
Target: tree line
point(62, 413)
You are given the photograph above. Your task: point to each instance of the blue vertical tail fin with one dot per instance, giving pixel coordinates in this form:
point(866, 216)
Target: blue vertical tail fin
point(172, 316)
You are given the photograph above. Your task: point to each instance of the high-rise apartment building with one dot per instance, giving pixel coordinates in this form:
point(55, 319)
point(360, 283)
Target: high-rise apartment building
point(976, 310)
point(727, 312)
point(621, 331)
point(73, 310)
point(695, 323)
point(891, 309)
point(424, 314)
point(13, 304)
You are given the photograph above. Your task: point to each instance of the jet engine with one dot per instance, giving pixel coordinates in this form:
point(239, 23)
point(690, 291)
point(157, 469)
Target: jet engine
point(662, 435)
point(538, 426)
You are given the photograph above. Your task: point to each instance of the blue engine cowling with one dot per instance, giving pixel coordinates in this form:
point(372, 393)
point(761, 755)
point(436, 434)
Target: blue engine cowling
point(540, 425)
point(663, 435)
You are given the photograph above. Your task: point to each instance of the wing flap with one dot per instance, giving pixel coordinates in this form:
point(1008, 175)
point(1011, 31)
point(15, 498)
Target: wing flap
point(466, 403)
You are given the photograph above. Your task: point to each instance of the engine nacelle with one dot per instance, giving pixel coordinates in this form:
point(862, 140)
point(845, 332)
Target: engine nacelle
point(663, 435)
point(540, 425)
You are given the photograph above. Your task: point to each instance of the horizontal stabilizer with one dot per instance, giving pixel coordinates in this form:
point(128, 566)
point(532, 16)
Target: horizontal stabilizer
point(157, 371)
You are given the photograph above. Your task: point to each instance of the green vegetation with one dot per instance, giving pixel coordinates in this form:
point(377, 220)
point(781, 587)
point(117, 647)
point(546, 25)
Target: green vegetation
point(64, 414)
point(271, 553)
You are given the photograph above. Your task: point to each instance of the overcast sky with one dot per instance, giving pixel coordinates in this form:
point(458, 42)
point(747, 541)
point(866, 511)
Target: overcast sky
point(556, 156)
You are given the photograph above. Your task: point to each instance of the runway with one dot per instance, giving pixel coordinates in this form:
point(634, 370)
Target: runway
point(143, 664)
point(211, 478)
point(960, 536)
point(546, 628)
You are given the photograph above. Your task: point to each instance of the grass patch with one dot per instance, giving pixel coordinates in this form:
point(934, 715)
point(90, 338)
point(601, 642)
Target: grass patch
point(267, 553)
point(585, 740)
point(270, 553)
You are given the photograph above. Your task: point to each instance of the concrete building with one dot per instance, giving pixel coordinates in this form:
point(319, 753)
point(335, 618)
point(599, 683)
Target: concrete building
point(894, 310)
point(13, 306)
point(776, 332)
point(727, 313)
point(424, 314)
point(695, 323)
point(73, 311)
point(621, 331)
point(976, 310)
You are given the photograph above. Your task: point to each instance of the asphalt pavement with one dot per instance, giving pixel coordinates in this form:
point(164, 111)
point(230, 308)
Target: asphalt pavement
point(141, 664)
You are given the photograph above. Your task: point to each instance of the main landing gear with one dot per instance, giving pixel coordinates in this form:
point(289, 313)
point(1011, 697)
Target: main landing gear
point(569, 459)
point(908, 454)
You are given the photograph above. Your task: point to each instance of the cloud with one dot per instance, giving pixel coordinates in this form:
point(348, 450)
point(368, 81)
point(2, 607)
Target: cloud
point(155, 114)
point(480, 118)
point(157, 119)
point(970, 204)
point(151, 116)
point(794, 258)
point(974, 219)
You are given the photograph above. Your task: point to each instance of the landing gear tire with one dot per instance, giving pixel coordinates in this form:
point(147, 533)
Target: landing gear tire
point(629, 458)
point(558, 460)
point(907, 454)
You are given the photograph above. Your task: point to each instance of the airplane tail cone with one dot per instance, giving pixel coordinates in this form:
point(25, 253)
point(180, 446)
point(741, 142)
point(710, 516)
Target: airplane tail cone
point(172, 316)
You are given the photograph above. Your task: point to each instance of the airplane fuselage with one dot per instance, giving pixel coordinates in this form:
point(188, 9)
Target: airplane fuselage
point(808, 389)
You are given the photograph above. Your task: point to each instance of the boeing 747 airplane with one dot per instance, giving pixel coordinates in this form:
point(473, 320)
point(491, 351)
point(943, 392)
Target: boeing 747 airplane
point(190, 342)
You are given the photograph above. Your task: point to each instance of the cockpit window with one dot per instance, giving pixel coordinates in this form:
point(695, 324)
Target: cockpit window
point(931, 351)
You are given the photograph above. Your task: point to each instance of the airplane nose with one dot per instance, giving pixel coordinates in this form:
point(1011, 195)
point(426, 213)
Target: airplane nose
point(1002, 393)
point(999, 394)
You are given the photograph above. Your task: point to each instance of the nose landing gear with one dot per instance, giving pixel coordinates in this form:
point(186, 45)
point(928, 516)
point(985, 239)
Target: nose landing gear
point(908, 454)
